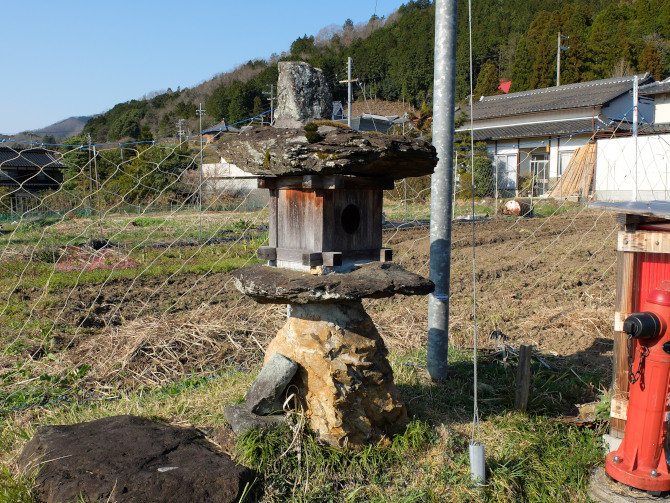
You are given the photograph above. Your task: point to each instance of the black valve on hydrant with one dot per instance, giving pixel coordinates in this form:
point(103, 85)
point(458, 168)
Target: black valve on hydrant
point(642, 326)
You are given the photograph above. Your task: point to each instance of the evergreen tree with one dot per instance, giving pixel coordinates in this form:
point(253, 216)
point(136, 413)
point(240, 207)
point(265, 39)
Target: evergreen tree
point(487, 81)
point(522, 69)
point(575, 23)
point(145, 134)
point(650, 61)
point(484, 174)
point(543, 70)
point(258, 106)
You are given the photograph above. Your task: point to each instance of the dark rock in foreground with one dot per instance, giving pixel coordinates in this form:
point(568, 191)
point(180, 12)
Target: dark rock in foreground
point(130, 459)
point(280, 152)
point(372, 280)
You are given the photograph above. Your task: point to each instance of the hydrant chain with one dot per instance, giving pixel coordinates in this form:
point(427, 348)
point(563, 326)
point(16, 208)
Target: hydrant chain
point(633, 377)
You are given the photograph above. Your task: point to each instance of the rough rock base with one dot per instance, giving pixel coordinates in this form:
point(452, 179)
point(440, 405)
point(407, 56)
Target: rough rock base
point(344, 379)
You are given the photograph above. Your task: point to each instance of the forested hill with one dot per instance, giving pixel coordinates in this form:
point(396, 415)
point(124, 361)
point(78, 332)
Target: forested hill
point(393, 59)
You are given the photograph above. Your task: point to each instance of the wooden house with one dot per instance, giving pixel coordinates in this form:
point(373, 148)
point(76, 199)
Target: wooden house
point(24, 172)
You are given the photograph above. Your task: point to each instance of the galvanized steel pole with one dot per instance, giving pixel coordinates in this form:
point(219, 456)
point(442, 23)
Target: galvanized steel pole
point(635, 119)
point(442, 187)
point(349, 94)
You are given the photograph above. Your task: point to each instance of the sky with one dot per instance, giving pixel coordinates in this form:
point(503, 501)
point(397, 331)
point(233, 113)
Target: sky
point(81, 57)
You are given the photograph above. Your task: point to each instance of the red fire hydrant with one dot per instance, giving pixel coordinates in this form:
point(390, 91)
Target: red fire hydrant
point(640, 460)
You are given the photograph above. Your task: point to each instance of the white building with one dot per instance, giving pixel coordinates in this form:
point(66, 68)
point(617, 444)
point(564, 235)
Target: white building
point(628, 168)
point(532, 135)
point(224, 180)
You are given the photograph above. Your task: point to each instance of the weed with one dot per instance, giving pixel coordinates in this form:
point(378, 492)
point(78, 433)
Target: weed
point(311, 469)
point(240, 226)
point(149, 222)
point(15, 487)
point(22, 388)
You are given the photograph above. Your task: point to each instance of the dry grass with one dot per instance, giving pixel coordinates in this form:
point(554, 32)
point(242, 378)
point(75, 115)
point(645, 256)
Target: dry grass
point(157, 351)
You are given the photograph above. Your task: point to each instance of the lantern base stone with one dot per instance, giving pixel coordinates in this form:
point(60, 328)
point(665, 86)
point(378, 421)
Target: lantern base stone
point(344, 383)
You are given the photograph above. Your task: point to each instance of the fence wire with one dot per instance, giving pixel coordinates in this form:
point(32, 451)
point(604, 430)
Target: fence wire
point(113, 280)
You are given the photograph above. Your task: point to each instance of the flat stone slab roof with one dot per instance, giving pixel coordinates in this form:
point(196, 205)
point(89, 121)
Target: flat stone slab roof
point(273, 285)
point(285, 152)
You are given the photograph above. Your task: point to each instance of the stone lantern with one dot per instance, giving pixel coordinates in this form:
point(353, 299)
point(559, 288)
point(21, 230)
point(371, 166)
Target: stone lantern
point(324, 256)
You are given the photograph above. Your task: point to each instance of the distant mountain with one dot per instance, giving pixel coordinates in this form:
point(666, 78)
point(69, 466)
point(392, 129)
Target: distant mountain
point(63, 129)
point(58, 131)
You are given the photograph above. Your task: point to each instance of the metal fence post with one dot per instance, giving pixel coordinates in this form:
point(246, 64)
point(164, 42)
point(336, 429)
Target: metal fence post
point(442, 187)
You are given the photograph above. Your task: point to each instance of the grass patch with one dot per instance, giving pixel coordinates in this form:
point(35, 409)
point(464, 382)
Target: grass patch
point(530, 457)
point(307, 470)
point(15, 487)
point(26, 387)
point(395, 210)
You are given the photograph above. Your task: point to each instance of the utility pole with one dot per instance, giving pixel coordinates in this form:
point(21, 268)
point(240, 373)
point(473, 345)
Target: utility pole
point(180, 129)
point(559, 48)
point(90, 170)
point(349, 93)
point(200, 113)
point(271, 99)
point(441, 188)
point(349, 90)
point(635, 120)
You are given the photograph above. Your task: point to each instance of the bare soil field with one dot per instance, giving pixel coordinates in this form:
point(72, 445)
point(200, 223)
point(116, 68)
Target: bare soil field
point(547, 281)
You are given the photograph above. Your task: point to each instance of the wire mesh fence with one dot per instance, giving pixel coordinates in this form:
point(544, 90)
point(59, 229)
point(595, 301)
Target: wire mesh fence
point(115, 259)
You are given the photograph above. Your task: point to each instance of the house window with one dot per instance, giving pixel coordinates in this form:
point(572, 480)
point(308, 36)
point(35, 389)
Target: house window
point(563, 161)
point(505, 166)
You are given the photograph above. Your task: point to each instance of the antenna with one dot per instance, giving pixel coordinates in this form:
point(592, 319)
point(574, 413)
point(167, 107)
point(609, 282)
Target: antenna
point(271, 99)
point(559, 48)
point(349, 93)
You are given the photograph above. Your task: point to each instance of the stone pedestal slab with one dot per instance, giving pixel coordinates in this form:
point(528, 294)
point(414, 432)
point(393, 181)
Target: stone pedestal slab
point(373, 280)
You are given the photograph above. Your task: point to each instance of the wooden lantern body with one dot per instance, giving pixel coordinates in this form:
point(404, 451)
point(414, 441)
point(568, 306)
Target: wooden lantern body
point(324, 220)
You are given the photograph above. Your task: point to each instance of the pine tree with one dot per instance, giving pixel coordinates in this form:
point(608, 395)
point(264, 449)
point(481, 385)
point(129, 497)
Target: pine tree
point(487, 81)
point(650, 61)
point(521, 71)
